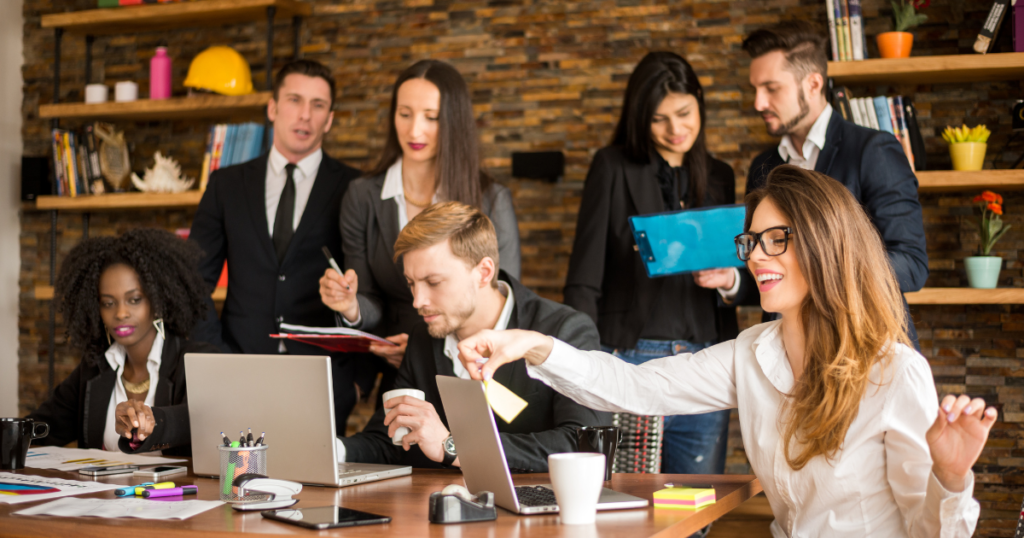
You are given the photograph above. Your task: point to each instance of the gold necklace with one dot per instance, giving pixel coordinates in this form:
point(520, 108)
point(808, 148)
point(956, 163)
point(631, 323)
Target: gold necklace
point(415, 203)
point(135, 388)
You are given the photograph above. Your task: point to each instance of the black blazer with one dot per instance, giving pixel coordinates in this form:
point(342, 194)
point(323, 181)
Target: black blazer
point(231, 224)
point(873, 167)
point(606, 279)
point(547, 425)
point(77, 411)
point(369, 228)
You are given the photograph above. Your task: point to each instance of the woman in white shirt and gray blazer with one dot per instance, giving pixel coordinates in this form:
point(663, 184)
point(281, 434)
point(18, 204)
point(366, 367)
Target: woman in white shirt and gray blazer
point(431, 155)
point(839, 415)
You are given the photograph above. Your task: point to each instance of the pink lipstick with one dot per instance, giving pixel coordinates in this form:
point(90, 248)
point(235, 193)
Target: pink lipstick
point(124, 330)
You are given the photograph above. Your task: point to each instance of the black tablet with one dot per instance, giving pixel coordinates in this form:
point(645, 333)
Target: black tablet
point(324, 517)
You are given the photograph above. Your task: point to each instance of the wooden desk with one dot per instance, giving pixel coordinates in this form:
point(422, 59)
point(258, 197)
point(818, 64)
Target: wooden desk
point(405, 500)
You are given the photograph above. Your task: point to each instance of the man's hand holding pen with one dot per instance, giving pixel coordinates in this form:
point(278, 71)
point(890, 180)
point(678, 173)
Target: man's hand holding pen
point(338, 292)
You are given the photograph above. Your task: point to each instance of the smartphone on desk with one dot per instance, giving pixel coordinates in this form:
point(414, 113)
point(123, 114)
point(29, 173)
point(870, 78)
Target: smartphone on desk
point(158, 474)
point(324, 517)
point(108, 470)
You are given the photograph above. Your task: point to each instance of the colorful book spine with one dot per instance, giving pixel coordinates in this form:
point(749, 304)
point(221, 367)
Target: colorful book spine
point(869, 107)
point(990, 29)
point(882, 112)
point(58, 162)
point(856, 30)
point(901, 121)
point(204, 175)
point(841, 102)
point(892, 115)
point(844, 7)
point(218, 147)
point(830, 10)
point(69, 164)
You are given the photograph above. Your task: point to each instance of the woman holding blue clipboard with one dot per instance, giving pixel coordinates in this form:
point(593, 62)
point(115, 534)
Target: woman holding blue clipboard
point(657, 162)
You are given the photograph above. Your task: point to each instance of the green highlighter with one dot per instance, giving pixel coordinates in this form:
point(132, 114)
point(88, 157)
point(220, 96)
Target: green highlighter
point(230, 473)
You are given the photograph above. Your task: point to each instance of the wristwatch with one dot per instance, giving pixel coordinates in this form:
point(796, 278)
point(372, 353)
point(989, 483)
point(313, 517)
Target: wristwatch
point(449, 451)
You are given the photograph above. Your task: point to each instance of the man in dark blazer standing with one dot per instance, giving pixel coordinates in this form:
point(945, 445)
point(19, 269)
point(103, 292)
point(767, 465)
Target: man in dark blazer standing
point(450, 255)
point(788, 71)
point(269, 218)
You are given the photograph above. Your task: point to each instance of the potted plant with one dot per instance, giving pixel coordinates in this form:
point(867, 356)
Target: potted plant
point(967, 146)
point(897, 44)
point(983, 270)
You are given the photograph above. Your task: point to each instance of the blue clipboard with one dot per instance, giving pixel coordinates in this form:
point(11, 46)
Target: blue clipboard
point(688, 240)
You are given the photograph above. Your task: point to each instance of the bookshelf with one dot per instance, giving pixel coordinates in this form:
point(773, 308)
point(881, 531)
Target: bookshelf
point(199, 106)
point(930, 69)
point(145, 18)
point(45, 293)
point(120, 200)
point(954, 181)
point(955, 296)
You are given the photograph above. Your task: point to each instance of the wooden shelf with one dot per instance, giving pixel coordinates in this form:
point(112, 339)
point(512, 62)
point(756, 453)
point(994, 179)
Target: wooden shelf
point(950, 296)
point(199, 106)
point(120, 200)
point(45, 293)
point(930, 69)
point(953, 181)
point(144, 18)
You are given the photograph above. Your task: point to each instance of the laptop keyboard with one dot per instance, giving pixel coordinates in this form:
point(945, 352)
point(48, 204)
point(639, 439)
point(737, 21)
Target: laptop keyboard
point(535, 496)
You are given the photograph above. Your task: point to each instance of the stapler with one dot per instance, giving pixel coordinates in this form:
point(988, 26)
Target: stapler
point(279, 492)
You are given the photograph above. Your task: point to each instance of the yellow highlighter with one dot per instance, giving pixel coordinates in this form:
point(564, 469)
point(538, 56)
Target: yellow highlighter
point(161, 485)
point(505, 403)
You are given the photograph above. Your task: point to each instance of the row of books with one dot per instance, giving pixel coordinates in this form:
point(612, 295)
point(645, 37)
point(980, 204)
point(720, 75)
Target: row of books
point(846, 30)
point(894, 115)
point(76, 163)
point(228, 144)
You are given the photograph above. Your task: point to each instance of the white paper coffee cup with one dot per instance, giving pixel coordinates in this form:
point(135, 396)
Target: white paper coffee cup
point(401, 432)
point(577, 478)
point(96, 93)
point(125, 91)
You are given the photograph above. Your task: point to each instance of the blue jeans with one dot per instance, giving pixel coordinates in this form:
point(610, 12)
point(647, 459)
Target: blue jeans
point(694, 444)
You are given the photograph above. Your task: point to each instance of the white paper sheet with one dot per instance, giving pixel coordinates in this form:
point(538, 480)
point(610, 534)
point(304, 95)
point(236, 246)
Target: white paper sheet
point(73, 459)
point(125, 507)
point(17, 488)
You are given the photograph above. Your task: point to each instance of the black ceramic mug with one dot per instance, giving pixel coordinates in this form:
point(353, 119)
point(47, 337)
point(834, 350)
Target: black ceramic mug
point(15, 436)
point(601, 439)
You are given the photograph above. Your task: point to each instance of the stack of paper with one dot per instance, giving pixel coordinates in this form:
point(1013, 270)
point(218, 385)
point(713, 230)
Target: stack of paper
point(73, 459)
point(111, 508)
point(685, 498)
point(21, 488)
point(331, 338)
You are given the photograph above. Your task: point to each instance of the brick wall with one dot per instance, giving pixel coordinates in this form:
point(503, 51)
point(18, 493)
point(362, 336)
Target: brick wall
point(550, 76)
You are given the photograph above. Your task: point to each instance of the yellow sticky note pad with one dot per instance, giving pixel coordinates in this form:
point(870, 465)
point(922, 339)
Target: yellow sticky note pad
point(505, 403)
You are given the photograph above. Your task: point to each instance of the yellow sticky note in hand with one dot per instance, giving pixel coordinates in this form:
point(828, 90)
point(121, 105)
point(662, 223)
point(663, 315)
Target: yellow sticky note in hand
point(505, 403)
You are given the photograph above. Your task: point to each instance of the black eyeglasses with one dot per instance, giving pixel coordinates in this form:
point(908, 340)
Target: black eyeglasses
point(773, 242)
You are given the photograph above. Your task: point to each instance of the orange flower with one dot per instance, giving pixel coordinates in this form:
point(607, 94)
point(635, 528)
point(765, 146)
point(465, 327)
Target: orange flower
point(979, 198)
point(995, 208)
point(990, 196)
point(999, 199)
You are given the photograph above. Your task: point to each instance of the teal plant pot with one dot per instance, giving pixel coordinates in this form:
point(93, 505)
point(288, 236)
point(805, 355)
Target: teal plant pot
point(983, 271)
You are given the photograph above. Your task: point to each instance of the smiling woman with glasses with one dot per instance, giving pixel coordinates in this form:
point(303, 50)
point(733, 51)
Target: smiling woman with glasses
point(839, 415)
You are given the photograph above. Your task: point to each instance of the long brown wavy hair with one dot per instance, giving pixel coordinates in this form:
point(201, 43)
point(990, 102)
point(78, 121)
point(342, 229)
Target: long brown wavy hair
point(852, 316)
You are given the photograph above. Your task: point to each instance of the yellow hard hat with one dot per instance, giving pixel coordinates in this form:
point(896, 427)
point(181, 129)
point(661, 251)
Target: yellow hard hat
point(220, 69)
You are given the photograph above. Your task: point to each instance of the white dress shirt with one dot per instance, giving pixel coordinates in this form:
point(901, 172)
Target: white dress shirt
point(304, 176)
point(807, 158)
point(451, 349)
point(116, 355)
point(879, 484)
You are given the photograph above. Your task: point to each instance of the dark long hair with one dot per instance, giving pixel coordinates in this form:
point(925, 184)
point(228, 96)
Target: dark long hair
point(459, 176)
point(657, 75)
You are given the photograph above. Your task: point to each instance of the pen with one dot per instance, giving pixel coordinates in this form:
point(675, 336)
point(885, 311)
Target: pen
point(130, 490)
point(227, 442)
point(241, 438)
point(248, 438)
point(334, 264)
point(259, 442)
point(161, 485)
point(172, 492)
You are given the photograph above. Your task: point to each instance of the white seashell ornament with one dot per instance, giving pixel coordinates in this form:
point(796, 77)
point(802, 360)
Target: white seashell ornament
point(164, 176)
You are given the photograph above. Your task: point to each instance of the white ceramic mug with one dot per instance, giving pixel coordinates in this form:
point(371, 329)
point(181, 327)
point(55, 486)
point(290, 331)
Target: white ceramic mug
point(401, 432)
point(125, 91)
point(577, 478)
point(96, 93)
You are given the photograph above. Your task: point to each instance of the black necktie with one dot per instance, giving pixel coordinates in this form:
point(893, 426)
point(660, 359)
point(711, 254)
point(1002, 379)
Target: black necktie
point(285, 214)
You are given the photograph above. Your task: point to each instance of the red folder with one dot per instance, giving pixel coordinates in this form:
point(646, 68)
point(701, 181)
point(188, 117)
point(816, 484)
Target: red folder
point(335, 342)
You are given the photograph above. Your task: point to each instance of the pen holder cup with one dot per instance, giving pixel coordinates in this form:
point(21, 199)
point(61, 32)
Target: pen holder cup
point(235, 462)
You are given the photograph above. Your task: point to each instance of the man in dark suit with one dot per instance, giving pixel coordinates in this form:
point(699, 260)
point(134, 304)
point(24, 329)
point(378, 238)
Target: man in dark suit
point(788, 71)
point(450, 255)
point(269, 218)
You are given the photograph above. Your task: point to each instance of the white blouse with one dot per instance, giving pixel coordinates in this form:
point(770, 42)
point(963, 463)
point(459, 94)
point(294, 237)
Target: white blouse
point(116, 355)
point(879, 484)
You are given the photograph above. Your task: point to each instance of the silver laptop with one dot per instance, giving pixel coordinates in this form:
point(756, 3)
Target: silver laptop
point(482, 457)
point(287, 396)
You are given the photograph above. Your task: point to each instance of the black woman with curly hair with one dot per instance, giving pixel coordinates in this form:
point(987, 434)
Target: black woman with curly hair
point(129, 302)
